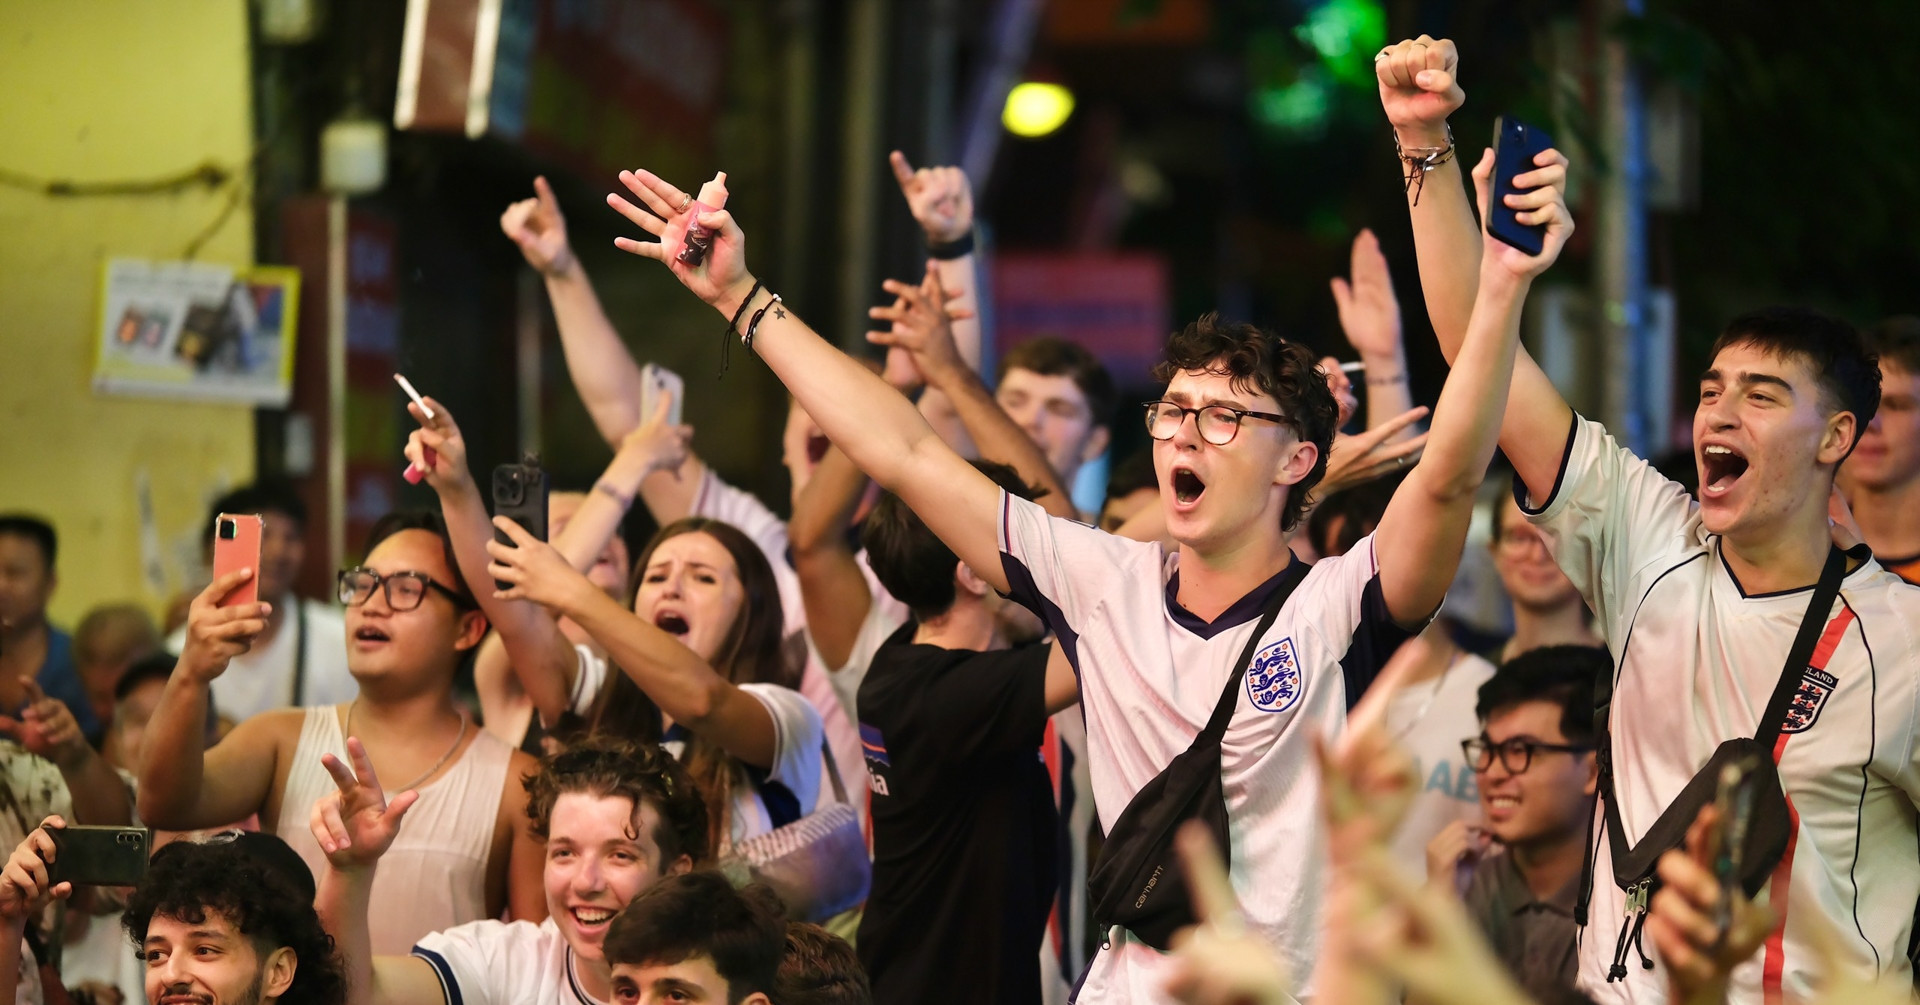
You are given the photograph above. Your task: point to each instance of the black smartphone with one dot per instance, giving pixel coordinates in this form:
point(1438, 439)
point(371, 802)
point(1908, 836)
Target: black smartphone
point(1515, 144)
point(99, 856)
point(520, 495)
point(1733, 805)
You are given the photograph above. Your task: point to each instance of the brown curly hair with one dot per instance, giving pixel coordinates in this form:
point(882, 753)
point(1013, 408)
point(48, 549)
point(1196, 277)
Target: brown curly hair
point(1260, 361)
point(605, 767)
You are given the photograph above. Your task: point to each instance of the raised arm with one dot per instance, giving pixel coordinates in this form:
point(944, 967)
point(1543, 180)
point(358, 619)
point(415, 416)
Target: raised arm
point(878, 428)
point(1424, 529)
point(655, 446)
point(47, 727)
point(1370, 319)
point(832, 587)
point(354, 826)
point(183, 786)
point(541, 657)
point(921, 323)
point(602, 369)
point(687, 688)
point(941, 200)
point(1419, 89)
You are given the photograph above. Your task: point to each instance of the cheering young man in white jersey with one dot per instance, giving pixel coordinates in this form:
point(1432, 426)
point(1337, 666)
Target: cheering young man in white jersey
point(1154, 636)
point(1701, 601)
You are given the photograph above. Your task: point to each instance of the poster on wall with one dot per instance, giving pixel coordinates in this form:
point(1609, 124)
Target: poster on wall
point(197, 331)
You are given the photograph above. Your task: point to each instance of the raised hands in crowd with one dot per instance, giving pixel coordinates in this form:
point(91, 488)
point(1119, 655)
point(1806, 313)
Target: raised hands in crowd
point(742, 705)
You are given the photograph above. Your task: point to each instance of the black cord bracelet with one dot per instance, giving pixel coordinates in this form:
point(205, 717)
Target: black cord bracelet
point(952, 249)
point(733, 325)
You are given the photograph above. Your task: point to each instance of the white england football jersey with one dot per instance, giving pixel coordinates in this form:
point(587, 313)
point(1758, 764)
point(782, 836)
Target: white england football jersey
point(501, 963)
point(1150, 675)
point(1696, 661)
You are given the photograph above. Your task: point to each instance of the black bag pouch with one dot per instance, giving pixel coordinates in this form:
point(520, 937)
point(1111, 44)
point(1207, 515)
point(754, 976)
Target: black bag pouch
point(1138, 882)
point(1635, 867)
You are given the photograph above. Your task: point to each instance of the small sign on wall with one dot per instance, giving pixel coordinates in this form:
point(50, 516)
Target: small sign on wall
point(196, 331)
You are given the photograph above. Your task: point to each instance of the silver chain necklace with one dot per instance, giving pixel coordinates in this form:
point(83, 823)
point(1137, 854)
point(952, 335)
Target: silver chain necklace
point(437, 765)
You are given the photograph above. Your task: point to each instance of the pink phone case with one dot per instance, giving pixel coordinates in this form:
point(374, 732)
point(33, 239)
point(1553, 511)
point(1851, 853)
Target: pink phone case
point(236, 545)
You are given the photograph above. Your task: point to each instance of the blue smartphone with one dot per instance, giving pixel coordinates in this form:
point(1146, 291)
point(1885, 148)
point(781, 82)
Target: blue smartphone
point(1515, 144)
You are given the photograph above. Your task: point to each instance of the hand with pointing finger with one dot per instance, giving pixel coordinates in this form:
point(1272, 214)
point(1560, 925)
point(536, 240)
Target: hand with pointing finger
point(356, 824)
point(940, 198)
point(538, 228)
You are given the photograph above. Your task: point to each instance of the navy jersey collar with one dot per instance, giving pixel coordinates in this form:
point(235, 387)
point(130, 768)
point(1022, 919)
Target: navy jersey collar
point(1245, 609)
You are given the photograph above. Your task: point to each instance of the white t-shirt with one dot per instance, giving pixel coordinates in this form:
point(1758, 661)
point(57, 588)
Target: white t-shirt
point(797, 764)
point(1150, 675)
point(1428, 720)
point(717, 500)
point(501, 963)
point(1697, 660)
point(261, 679)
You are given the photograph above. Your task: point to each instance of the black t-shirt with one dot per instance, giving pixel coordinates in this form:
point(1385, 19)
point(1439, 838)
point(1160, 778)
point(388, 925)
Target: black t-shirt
point(963, 822)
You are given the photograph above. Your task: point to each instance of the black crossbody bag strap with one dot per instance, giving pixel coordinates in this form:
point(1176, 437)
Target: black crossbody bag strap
point(1812, 624)
point(1230, 696)
point(1772, 720)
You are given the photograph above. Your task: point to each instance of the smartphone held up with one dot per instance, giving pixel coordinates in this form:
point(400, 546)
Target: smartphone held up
point(236, 546)
point(1515, 145)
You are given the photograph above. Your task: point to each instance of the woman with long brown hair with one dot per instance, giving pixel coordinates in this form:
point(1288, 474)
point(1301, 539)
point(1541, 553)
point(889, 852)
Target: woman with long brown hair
point(702, 665)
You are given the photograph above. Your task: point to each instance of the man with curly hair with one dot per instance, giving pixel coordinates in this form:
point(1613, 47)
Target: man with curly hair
point(616, 817)
point(221, 923)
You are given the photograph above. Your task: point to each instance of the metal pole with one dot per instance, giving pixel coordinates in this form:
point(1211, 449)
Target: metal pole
point(337, 381)
point(860, 170)
point(1627, 344)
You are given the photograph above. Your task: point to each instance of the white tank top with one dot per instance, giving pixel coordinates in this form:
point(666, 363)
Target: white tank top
point(435, 874)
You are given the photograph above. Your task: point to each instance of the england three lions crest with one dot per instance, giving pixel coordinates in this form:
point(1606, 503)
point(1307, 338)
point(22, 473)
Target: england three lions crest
point(1273, 678)
point(1815, 687)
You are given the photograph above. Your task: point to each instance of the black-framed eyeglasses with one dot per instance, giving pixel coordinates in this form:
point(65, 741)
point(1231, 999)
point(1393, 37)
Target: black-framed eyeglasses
point(1516, 755)
point(405, 590)
point(1217, 423)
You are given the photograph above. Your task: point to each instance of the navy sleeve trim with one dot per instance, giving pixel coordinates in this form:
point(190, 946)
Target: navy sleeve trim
point(1559, 477)
point(449, 985)
point(1375, 639)
point(1022, 590)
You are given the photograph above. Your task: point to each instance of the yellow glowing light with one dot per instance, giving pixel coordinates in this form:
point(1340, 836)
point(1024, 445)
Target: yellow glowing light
point(1036, 109)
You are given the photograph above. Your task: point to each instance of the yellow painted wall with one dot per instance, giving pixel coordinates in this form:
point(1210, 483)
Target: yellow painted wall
point(96, 90)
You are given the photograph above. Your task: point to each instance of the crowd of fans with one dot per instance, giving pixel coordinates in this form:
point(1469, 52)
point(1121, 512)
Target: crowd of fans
point(942, 737)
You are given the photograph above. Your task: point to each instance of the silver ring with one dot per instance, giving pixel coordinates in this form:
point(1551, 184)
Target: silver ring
point(684, 203)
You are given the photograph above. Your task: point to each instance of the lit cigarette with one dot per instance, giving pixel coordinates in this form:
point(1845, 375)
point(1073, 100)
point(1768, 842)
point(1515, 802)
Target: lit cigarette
point(407, 386)
point(1354, 367)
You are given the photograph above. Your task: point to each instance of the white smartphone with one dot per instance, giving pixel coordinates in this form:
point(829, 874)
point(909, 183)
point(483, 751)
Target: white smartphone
point(656, 380)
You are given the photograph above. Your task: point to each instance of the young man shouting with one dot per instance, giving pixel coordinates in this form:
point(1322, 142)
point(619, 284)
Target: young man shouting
point(1241, 438)
point(1701, 601)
